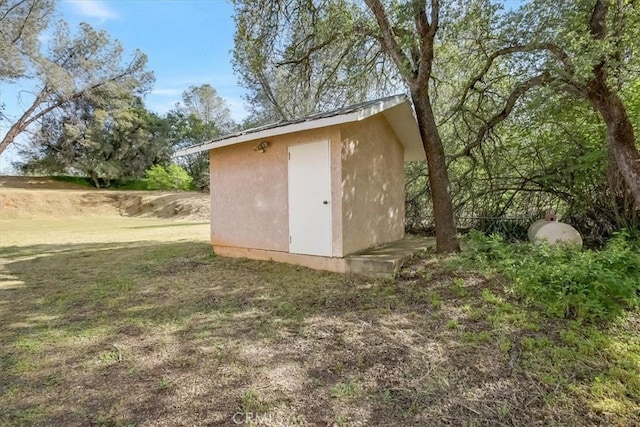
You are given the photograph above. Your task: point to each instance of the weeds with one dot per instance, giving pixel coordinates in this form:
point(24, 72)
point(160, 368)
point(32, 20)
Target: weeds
point(252, 403)
point(566, 281)
point(348, 390)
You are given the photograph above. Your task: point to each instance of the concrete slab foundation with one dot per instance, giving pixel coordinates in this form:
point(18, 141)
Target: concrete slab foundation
point(383, 261)
point(316, 262)
point(386, 260)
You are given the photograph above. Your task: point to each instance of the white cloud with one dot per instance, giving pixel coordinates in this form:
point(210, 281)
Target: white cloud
point(236, 108)
point(161, 101)
point(93, 9)
point(160, 107)
point(167, 92)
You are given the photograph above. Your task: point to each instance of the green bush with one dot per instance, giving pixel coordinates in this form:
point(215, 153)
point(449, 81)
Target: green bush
point(173, 177)
point(131, 184)
point(566, 281)
point(79, 180)
point(120, 184)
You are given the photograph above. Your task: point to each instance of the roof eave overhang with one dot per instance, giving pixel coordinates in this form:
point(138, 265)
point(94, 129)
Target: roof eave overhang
point(404, 125)
point(397, 111)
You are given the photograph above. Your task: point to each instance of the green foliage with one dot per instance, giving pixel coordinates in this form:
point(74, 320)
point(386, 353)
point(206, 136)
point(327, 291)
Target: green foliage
point(81, 72)
point(632, 102)
point(172, 177)
point(203, 116)
point(21, 23)
point(348, 390)
point(113, 139)
point(126, 184)
point(304, 58)
point(79, 180)
point(251, 402)
point(551, 152)
point(131, 184)
point(203, 103)
point(566, 281)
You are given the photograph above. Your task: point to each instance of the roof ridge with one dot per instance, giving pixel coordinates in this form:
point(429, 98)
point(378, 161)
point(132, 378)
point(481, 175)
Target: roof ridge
point(397, 109)
point(315, 116)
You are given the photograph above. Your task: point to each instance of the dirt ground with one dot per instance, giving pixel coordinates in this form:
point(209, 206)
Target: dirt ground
point(29, 197)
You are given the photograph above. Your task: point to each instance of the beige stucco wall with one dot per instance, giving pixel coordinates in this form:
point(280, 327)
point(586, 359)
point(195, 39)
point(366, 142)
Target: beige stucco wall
point(249, 194)
point(372, 185)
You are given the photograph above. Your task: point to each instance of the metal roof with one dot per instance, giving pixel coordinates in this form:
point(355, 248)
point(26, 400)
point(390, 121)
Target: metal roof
point(397, 110)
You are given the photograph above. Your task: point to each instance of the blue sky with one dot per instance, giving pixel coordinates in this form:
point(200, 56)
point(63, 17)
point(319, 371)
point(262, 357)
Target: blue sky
point(188, 42)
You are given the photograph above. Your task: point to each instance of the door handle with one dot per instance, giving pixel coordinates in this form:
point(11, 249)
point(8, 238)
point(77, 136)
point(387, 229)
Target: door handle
point(325, 202)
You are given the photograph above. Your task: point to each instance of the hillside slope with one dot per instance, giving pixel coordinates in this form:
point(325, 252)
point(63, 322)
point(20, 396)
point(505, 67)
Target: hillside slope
point(37, 197)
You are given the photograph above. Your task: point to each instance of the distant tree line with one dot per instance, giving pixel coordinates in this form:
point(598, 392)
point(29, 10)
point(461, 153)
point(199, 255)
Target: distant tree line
point(520, 110)
point(85, 114)
point(118, 139)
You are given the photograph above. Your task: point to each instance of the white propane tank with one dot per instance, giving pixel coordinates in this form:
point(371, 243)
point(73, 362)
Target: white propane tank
point(553, 232)
point(533, 228)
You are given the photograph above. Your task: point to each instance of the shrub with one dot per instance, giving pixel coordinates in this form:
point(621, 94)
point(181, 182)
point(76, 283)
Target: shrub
point(79, 180)
point(131, 184)
point(172, 177)
point(566, 281)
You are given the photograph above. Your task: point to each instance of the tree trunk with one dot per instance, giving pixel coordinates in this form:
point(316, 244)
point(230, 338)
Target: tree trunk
point(9, 137)
point(620, 137)
point(94, 178)
point(25, 120)
point(446, 240)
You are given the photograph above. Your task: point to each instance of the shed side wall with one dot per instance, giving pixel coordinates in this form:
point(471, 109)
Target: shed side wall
point(372, 185)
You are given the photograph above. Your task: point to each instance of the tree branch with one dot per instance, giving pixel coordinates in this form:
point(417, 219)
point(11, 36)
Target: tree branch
point(427, 33)
point(389, 42)
point(267, 89)
point(598, 22)
point(308, 53)
point(554, 49)
point(520, 90)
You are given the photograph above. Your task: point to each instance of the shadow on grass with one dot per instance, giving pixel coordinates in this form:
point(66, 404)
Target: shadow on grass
point(17, 252)
point(175, 224)
point(165, 333)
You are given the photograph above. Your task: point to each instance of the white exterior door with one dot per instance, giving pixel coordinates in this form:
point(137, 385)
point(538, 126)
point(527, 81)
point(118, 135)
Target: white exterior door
point(310, 199)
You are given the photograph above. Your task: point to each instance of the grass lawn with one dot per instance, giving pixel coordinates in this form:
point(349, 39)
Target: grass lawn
point(119, 321)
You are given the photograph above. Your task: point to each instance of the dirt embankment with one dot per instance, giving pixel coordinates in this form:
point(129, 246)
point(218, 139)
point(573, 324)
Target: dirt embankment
point(37, 197)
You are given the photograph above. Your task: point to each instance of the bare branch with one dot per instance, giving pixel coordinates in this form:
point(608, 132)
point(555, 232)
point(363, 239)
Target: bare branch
point(520, 90)
point(11, 9)
point(552, 48)
point(389, 42)
point(308, 53)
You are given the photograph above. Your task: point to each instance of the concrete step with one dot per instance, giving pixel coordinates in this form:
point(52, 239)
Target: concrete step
point(386, 260)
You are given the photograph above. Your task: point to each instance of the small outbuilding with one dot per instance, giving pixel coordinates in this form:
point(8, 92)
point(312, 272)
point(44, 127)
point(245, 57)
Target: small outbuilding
point(314, 190)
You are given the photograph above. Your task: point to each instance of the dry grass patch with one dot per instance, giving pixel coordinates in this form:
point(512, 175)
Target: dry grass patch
point(132, 331)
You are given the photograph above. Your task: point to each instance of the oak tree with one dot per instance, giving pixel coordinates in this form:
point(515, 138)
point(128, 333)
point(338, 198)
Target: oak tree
point(350, 43)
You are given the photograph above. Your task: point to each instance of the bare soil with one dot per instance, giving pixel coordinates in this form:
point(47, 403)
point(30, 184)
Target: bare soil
point(29, 197)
